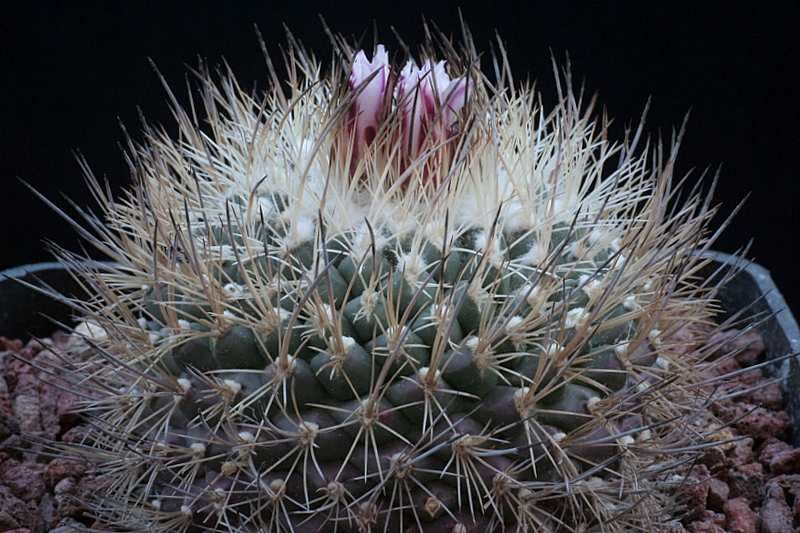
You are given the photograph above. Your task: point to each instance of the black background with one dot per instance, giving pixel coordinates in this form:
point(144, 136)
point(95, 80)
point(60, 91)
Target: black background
point(70, 72)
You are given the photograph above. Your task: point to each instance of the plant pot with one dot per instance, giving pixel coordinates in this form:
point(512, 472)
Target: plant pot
point(753, 294)
point(26, 313)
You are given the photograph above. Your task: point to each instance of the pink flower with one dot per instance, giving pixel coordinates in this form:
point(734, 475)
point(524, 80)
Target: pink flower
point(370, 80)
point(429, 101)
point(425, 99)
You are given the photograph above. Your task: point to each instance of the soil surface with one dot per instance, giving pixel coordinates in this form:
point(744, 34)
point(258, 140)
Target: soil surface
point(750, 484)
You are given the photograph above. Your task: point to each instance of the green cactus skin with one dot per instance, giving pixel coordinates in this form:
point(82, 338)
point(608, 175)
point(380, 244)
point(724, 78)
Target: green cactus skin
point(471, 338)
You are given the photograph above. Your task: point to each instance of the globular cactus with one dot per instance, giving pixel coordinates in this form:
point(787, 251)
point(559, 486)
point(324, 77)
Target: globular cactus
point(391, 300)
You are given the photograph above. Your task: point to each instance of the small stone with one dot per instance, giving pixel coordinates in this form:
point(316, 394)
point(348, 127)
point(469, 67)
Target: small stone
point(742, 453)
point(65, 492)
point(33, 347)
point(787, 462)
point(26, 481)
point(25, 513)
point(776, 516)
point(48, 509)
point(28, 414)
point(747, 481)
point(74, 434)
point(722, 339)
point(740, 518)
point(752, 469)
point(59, 469)
point(7, 521)
point(718, 492)
point(670, 527)
point(10, 345)
point(27, 385)
point(694, 493)
point(89, 486)
point(769, 397)
point(770, 448)
point(713, 456)
point(747, 347)
point(791, 485)
point(708, 523)
point(8, 423)
point(723, 366)
point(762, 423)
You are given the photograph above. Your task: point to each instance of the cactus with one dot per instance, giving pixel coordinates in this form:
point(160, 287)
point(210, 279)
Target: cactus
point(390, 299)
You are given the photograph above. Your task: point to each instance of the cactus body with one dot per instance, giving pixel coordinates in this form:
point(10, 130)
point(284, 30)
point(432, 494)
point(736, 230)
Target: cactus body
point(324, 320)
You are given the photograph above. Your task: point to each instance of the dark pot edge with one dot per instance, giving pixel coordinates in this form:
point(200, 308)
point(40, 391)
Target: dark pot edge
point(765, 309)
point(759, 277)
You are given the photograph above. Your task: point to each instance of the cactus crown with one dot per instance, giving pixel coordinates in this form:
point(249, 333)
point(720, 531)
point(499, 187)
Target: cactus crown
point(391, 299)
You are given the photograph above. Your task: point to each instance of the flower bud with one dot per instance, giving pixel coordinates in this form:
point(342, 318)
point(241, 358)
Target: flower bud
point(370, 79)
